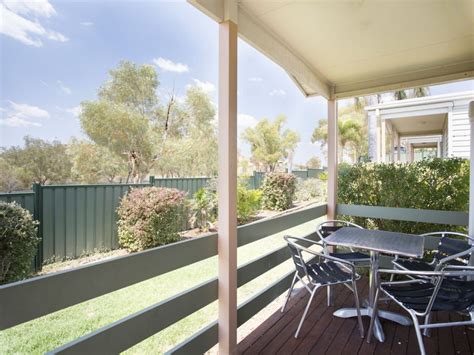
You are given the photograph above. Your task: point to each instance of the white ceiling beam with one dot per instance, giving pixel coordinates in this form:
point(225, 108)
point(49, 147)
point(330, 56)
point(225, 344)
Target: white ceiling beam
point(268, 44)
point(407, 80)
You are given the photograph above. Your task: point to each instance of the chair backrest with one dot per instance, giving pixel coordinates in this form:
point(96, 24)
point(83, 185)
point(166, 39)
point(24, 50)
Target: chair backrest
point(298, 260)
point(455, 294)
point(451, 243)
point(325, 228)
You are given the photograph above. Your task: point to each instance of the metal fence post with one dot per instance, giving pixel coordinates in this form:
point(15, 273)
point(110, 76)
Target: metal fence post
point(152, 180)
point(38, 216)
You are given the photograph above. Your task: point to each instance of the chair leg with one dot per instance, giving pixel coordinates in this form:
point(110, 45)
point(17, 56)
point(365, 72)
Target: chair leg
point(426, 331)
point(306, 310)
point(357, 303)
point(329, 296)
point(289, 292)
point(419, 336)
point(374, 315)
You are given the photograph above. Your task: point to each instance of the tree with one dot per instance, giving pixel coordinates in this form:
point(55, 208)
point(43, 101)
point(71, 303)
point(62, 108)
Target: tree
point(125, 118)
point(350, 135)
point(9, 180)
point(92, 163)
point(38, 161)
point(421, 91)
point(268, 144)
point(313, 163)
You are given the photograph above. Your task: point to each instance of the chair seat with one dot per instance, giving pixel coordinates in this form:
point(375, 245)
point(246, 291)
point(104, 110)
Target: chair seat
point(328, 273)
point(454, 295)
point(420, 265)
point(352, 256)
point(413, 265)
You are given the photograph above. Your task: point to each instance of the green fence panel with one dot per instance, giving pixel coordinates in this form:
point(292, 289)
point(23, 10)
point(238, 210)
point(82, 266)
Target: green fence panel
point(25, 199)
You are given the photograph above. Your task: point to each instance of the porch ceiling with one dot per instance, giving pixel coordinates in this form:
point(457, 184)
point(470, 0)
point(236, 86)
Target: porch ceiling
point(347, 48)
point(428, 124)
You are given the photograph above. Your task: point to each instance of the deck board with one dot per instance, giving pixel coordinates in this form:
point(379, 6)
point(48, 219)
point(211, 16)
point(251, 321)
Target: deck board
point(322, 333)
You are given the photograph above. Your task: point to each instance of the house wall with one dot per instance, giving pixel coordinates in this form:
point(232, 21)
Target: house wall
point(459, 135)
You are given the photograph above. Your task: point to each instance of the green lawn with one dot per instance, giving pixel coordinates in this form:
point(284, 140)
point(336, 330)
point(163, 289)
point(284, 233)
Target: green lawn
point(51, 331)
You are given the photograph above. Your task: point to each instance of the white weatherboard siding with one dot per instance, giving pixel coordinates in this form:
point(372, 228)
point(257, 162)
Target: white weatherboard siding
point(418, 120)
point(459, 136)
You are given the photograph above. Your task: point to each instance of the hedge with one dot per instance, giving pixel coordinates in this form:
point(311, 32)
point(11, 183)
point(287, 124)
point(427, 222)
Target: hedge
point(432, 184)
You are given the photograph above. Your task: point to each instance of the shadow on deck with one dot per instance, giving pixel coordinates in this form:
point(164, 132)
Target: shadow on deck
point(322, 333)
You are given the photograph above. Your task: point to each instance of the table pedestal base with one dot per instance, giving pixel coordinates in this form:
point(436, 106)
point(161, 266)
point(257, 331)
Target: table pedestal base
point(366, 310)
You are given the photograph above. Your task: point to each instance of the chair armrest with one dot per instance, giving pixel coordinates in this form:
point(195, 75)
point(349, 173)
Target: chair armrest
point(454, 256)
point(346, 264)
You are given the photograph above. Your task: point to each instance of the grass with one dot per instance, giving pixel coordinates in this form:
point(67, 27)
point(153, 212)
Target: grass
point(48, 332)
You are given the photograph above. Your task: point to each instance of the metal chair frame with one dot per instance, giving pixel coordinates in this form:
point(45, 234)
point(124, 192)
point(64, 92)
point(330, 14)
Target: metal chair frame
point(439, 263)
point(435, 278)
point(359, 262)
point(312, 286)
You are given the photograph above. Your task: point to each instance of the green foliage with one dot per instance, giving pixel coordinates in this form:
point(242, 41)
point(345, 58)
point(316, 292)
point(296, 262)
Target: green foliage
point(268, 144)
point(433, 184)
point(92, 163)
point(204, 207)
point(313, 163)
point(248, 202)
point(278, 191)
point(38, 161)
point(149, 217)
point(310, 189)
point(18, 242)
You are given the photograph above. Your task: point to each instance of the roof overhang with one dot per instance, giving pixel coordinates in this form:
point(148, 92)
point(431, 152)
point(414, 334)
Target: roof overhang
point(353, 48)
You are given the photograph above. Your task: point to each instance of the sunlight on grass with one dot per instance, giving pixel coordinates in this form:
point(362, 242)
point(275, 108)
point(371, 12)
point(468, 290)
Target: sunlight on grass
point(51, 331)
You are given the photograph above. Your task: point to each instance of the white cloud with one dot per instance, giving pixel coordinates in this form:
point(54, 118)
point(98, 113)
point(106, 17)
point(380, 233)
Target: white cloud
point(245, 121)
point(28, 111)
point(87, 23)
point(205, 86)
point(15, 121)
point(277, 92)
point(168, 65)
point(22, 115)
point(63, 88)
point(75, 111)
point(256, 79)
point(29, 30)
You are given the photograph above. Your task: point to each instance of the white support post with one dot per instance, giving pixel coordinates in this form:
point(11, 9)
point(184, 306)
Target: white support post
point(471, 176)
point(383, 141)
point(398, 147)
point(227, 188)
point(332, 158)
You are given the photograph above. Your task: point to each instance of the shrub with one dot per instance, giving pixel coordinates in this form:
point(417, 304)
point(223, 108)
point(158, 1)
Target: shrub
point(278, 191)
point(149, 217)
point(18, 242)
point(204, 207)
point(433, 184)
point(248, 202)
point(310, 189)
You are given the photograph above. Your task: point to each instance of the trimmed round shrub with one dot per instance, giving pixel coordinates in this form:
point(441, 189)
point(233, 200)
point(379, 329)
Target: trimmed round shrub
point(278, 191)
point(150, 217)
point(18, 242)
point(310, 189)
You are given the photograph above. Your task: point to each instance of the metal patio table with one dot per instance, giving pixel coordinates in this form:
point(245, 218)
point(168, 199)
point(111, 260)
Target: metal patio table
point(376, 241)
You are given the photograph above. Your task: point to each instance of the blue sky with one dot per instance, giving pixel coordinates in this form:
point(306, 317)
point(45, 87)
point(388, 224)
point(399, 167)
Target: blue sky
point(56, 54)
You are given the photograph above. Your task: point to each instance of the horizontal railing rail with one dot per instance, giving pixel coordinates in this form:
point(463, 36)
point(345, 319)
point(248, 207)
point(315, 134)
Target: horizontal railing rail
point(26, 300)
point(405, 214)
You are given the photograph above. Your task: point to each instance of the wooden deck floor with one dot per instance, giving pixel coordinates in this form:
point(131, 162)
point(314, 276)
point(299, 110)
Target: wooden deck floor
point(322, 333)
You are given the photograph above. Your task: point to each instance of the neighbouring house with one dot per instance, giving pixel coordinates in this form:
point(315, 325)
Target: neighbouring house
point(412, 129)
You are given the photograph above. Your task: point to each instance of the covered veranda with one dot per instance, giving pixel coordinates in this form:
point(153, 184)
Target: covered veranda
point(334, 49)
point(337, 50)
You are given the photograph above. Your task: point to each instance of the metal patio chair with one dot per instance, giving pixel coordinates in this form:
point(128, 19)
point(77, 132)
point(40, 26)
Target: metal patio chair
point(320, 271)
point(444, 290)
point(324, 229)
point(451, 251)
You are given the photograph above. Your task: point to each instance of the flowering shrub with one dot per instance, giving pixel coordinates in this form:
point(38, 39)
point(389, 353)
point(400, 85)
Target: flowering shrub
point(432, 184)
point(278, 191)
point(18, 242)
point(149, 217)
